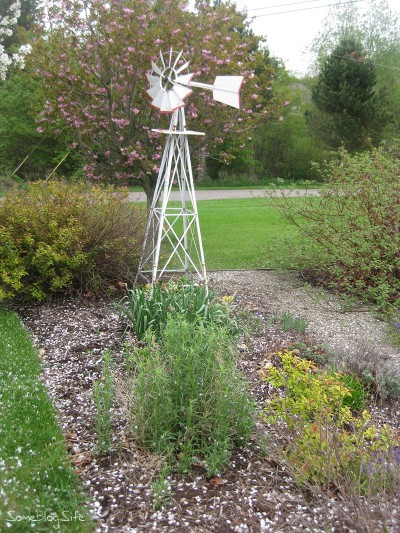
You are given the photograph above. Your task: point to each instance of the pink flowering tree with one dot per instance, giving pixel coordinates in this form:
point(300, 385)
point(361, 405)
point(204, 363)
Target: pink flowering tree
point(93, 63)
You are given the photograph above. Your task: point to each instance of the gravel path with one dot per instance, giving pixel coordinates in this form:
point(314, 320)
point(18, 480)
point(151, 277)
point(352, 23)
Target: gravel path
point(350, 333)
point(231, 194)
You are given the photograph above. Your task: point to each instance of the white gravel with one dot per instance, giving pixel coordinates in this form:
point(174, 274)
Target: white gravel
point(347, 332)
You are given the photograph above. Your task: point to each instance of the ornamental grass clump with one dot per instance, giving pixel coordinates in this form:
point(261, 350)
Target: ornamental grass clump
point(191, 403)
point(148, 308)
point(327, 443)
point(289, 322)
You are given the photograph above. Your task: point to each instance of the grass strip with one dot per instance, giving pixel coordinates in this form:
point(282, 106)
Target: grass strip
point(39, 489)
point(245, 234)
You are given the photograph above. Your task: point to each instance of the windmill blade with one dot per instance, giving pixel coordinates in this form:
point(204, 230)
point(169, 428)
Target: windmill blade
point(177, 59)
point(176, 100)
point(166, 105)
point(226, 89)
point(181, 91)
point(182, 67)
point(153, 80)
point(156, 68)
point(162, 59)
point(184, 79)
point(167, 102)
point(158, 100)
point(153, 91)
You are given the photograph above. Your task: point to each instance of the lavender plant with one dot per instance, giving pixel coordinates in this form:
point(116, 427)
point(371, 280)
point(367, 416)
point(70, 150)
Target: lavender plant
point(192, 404)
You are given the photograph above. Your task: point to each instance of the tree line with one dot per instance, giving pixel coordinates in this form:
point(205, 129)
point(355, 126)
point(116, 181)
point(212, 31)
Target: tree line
point(73, 85)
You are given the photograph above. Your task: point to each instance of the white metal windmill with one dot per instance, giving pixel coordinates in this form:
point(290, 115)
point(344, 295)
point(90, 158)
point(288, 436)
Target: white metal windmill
point(172, 241)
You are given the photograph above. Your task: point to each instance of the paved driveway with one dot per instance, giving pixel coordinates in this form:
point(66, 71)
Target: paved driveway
point(230, 194)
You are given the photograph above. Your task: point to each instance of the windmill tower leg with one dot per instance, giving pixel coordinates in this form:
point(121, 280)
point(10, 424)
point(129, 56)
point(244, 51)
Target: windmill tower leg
point(173, 233)
point(189, 182)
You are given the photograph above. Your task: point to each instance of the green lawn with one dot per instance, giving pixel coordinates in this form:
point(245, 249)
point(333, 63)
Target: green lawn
point(245, 233)
point(38, 488)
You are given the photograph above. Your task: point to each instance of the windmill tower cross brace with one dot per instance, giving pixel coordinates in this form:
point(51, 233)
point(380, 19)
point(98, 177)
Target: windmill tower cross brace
point(172, 242)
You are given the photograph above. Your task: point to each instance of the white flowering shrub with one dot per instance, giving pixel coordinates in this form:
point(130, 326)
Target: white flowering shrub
point(7, 22)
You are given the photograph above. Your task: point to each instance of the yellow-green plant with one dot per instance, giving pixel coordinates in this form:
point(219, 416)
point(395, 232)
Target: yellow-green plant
point(326, 441)
point(57, 236)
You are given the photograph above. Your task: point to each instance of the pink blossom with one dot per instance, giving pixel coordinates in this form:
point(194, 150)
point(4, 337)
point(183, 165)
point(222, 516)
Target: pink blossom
point(121, 122)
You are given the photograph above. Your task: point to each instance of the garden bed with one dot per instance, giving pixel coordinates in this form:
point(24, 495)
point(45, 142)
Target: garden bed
point(254, 493)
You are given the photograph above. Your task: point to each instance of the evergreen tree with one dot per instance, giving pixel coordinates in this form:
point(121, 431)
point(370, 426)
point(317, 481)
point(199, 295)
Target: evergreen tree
point(350, 110)
point(377, 28)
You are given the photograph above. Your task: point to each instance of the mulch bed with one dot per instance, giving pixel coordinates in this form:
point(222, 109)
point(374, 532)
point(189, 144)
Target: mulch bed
point(254, 493)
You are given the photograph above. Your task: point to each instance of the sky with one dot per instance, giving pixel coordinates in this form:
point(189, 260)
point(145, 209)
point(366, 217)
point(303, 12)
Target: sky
point(289, 34)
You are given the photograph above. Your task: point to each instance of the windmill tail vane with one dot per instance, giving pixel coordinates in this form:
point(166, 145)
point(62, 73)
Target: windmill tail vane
point(226, 89)
point(173, 242)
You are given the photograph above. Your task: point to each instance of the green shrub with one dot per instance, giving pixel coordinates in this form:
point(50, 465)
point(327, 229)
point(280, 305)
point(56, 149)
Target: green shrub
point(148, 308)
point(57, 236)
point(327, 444)
point(355, 226)
point(191, 402)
